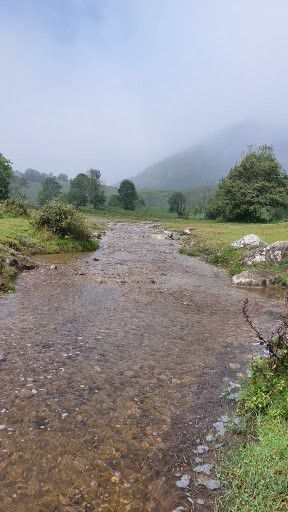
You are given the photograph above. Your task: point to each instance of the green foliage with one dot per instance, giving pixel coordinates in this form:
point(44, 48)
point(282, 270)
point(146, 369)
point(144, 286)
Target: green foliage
point(87, 189)
point(63, 220)
point(51, 188)
point(252, 188)
point(32, 175)
point(114, 201)
point(78, 193)
point(12, 208)
point(127, 195)
point(6, 176)
point(266, 391)
point(96, 196)
point(177, 203)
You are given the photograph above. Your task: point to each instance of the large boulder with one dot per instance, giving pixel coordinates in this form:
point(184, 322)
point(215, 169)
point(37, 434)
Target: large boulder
point(251, 240)
point(254, 278)
point(275, 253)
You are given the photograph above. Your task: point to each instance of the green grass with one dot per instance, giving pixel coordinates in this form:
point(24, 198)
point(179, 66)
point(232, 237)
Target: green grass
point(256, 474)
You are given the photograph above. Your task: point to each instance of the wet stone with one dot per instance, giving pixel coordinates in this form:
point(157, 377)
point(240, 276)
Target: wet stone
point(183, 482)
point(203, 468)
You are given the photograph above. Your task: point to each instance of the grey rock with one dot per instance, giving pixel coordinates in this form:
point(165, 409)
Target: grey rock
point(257, 278)
point(251, 240)
point(212, 484)
point(201, 448)
point(203, 468)
point(183, 482)
point(276, 253)
point(220, 427)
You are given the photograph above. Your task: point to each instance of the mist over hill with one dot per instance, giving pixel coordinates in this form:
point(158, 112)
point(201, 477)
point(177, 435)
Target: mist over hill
point(203, 164)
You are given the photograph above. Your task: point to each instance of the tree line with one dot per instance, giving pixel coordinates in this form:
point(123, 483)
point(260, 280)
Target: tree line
point(254, 190)
point(86, 189)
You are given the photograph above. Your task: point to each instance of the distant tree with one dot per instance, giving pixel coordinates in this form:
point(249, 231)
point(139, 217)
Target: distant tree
point(96, 195)
point(127, 195)
point(51, 188)
point(252, 188)
point(18, 187)
point(177, 203)
point(6, 176)
point(79, 188)
point(62, 177)
point(32, 175)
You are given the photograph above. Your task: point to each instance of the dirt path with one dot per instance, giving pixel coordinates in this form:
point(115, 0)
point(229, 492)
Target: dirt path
point(111, 371)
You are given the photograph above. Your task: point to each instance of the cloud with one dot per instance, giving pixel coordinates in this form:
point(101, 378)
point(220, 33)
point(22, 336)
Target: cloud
point(118, 84)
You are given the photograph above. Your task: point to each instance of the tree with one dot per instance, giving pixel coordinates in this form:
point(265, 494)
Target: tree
point(252, 189)
point(96, 196)
point(127, 194)
point(79, 187)
point(62, 177)
point(32, 175)
point(6, 176)
point(177, 203)
point(18, 186)
point(51, 188)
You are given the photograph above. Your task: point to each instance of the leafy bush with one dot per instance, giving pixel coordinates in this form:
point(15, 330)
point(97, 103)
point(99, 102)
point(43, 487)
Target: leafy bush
point(63, 220)
point(13, 208)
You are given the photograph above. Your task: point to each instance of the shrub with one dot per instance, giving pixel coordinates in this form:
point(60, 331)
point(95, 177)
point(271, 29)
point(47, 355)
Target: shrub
point(63, 220)
point(13, 208)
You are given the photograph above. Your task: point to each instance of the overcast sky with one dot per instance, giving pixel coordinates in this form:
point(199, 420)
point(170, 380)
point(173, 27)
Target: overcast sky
point(119, 84)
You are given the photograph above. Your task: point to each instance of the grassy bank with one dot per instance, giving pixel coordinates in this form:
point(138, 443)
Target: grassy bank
point(255, 472)
point(20, 239)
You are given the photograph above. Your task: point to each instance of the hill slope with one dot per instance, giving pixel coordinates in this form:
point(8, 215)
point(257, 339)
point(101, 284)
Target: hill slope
point(204, 163)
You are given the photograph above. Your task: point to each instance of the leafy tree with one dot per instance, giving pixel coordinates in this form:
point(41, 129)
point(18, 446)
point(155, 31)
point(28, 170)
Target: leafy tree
point(127, 195)
point(6, 176)
point(18, 186)
point(79, 187)
point(96, 195)
point(177, 203)
point(32, 175)
point(252, 188)
point(51, 188)
point(62, 177)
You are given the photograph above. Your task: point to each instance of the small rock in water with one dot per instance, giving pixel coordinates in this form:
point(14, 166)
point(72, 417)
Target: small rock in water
point(53, 267)
point(2, 427)
point(201, 448)
point(210, 438)
point(183, 482)
point(198, 460)
point(225, 419)
point(204, 468)
point(212, 484)
point(64, 415)
point(220, 427)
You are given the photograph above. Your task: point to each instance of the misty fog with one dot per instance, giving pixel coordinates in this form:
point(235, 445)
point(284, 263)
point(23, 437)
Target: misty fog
point(120, 84)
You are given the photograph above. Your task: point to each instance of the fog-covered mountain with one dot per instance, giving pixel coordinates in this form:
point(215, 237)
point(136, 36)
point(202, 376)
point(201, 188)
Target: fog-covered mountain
point(205, 163)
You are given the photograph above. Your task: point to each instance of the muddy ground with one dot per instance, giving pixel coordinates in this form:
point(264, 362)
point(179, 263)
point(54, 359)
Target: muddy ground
point(112, 368)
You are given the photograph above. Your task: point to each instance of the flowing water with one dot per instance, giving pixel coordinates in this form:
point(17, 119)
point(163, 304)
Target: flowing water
point(112, 367)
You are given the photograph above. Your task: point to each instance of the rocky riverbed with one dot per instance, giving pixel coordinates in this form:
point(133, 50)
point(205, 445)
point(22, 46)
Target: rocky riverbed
point(113, 367)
